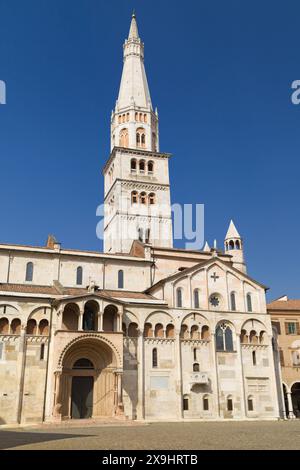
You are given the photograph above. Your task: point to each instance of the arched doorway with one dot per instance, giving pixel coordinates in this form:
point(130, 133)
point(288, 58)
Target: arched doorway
point(89, 383)
point(82, 390)
point(296, 399)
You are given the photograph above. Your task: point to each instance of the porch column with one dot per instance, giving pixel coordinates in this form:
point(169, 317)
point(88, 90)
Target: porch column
point(57, 399)
point(100, 321)
point(140, 361)
point(80, 321)
point(119, 322)
point(290, 412)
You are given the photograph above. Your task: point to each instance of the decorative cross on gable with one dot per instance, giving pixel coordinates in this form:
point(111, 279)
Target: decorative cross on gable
point(215, 277)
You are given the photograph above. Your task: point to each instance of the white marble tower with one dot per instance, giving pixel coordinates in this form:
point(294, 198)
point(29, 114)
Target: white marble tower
point(136, 175)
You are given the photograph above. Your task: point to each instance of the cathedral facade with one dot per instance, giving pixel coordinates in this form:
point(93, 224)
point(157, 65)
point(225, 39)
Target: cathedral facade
point(142, 331)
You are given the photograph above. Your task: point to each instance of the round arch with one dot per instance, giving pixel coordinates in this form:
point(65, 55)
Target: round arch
point(93, 342)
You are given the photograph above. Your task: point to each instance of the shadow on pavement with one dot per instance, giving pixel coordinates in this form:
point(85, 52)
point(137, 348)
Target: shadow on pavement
point(11, 439)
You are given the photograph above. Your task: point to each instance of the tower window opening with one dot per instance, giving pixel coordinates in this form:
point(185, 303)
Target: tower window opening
point(133, 166)
point(142, 166)
point(150, 168)
point(231, 245)
point(143, 198)
point(134, 197)
point(151, 198)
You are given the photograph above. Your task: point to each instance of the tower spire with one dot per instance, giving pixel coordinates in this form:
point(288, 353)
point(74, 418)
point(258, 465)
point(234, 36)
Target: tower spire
point(134, 124)
point(133, 32)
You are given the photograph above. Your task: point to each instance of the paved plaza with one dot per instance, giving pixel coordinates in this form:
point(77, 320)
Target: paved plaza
point(157, 436)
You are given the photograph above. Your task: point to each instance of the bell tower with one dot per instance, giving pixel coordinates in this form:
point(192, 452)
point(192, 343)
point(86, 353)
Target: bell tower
point(136, 175)
point(234, 247)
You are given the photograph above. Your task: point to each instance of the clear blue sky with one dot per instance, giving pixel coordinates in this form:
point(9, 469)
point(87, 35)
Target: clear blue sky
point(220, 73)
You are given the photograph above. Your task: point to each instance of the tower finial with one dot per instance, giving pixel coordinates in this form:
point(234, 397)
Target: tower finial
point(133, 13)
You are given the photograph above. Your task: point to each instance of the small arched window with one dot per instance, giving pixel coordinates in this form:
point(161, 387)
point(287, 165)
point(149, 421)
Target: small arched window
point(231, 245)
point(145, 117)
point(195, 332)
point(185, 403)
point(147, 236)
point(127, 117)
point(142, 166)
point(148, 331)
point(15, 326)
point(4, 326)
point(254, 358)
point(237, 245)
point(195, 354)
point(170, 331)
point(31, 328)
point(244, 338)
point(121, 279)
point(133, 331)
point(29, 272)
point(150, 168)
point(151, 198)
point(250, 403)
point(79, 273)
point(143, 198)
point(159, 331)
point(232, 301)
point(179, 297)
point(154, 357)
point(196, 298)
point(229, 403)
point(44, 327)
point(134, 197)
point(205, 403)
point(141, 235)
point(133, 165)
point(249, 303)
point(196, 367)
point(205, 333)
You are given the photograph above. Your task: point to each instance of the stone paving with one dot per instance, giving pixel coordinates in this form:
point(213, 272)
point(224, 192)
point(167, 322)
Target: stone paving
point(157, 436)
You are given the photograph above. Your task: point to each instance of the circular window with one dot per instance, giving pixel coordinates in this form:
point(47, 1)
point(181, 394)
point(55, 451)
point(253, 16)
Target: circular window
point(215, 301)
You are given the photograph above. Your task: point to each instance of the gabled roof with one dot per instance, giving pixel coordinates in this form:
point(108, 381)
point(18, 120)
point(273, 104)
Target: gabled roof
point(187, 271)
